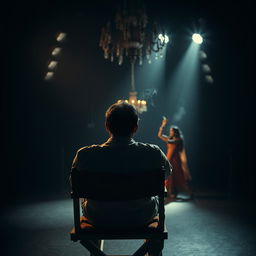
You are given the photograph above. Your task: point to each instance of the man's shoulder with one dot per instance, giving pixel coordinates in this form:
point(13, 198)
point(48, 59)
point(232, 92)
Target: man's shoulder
point(147, 146)
point(90, 148)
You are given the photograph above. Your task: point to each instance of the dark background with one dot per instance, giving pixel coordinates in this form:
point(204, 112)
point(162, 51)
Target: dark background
point(45, 122)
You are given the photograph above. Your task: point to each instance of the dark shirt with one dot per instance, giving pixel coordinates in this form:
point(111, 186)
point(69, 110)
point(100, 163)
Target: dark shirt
point(121, 153)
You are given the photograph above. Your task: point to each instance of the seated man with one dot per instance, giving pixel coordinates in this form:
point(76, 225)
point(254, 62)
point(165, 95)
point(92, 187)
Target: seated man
point(121, 153)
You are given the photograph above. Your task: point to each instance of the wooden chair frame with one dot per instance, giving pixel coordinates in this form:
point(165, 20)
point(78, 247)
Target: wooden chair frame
point(116, 186)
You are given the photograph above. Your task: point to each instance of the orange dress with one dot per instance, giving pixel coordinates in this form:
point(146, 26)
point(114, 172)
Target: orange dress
point(176, 183)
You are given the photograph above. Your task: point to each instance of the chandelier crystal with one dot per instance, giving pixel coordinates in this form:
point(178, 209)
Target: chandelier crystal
point(132, 37)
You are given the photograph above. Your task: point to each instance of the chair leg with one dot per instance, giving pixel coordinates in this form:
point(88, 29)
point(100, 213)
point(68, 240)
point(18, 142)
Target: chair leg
point(99, 244)
point(142, 250)
point(92, 247)
point(155, 247)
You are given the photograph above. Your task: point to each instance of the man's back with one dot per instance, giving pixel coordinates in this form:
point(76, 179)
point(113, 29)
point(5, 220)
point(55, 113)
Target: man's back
point(121, 154)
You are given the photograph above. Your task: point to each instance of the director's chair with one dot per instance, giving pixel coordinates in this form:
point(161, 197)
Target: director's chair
point(109, 186)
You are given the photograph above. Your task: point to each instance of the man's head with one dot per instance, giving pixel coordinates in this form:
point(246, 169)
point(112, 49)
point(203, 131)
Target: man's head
point(121, 119)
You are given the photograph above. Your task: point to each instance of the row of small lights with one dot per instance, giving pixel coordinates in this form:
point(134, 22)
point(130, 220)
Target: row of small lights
point(198, 39)
point(206, 68)
point(52, 65)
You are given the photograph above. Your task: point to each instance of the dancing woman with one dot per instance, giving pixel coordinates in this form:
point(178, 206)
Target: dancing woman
point(177, 184)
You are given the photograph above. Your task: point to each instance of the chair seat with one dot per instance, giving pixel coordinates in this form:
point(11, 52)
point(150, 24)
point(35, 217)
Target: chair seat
point(85, 223)
point(88, 231)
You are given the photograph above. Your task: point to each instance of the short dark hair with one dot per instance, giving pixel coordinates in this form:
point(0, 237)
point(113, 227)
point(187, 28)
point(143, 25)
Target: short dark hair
point(121, 119)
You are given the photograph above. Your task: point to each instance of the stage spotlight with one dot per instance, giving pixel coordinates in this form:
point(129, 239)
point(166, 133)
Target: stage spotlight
point(202, 55)
point(209, 79)
point(163, 38)
point(206, 68)
point(56, 51)
point(52, 64)
point(61, 37)
point(49, 75)
point(166, 38)
point(197, 38)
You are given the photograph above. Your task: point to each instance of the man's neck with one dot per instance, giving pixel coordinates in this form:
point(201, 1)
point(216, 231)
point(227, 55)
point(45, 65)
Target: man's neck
point(121, 137)
point(120, 140)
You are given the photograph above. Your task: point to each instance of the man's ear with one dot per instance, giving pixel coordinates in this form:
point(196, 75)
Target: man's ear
point(106, 127)
point(135, 128)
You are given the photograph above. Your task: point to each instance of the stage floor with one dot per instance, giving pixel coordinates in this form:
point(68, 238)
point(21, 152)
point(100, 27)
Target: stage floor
point(207, 225)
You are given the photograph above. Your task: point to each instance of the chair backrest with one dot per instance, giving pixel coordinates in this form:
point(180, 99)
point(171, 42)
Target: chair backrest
point(117, 186)
point(109, 185)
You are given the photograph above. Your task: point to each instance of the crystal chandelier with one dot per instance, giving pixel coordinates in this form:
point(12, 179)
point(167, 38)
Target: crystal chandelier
point(132, 38)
